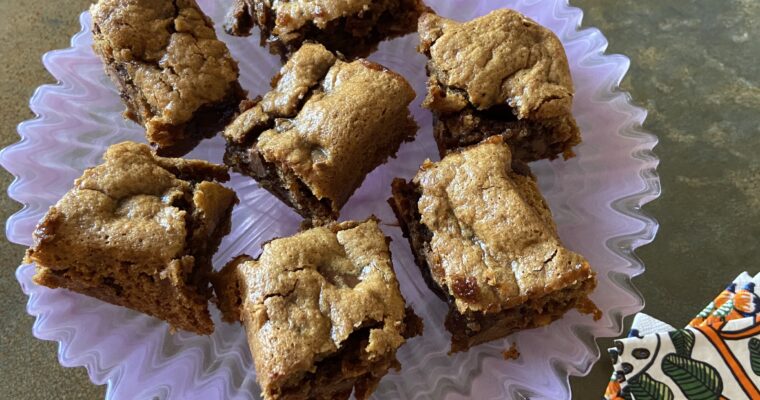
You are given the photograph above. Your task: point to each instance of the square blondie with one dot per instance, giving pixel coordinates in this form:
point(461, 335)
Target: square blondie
point(324, 126)
point(501, 74)
point(486, 243)
point(176, 78)
point(353, 28)
point(138, 231)
point(322, 310)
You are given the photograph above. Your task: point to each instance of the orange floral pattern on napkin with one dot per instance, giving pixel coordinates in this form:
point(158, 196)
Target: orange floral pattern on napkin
point(731, 353)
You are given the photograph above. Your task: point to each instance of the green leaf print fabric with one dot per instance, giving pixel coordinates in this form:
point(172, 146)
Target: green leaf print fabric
point(683, 340)
point(646, 388)
point(716, 357)
point(696, 379)
point(754, 355)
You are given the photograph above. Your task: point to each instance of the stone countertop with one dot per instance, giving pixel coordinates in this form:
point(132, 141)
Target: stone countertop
point(695, 65)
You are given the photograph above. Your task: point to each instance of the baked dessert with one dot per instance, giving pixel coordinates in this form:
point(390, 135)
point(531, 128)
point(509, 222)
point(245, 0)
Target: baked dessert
point(322, 310)
point(485, 242)
point(175, 77)
point(138, 231)
point(352, 27)
point(501, 74)
point(324, 126)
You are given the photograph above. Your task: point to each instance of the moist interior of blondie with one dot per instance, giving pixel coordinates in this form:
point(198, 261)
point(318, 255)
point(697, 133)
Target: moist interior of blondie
point(243, 156)
point(282, 183)
point(349, 370)
point(529, 140)
point(474, 328)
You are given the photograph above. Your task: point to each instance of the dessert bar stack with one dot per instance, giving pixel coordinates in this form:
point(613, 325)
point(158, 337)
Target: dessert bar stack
point(322, 309)
point(480, 230)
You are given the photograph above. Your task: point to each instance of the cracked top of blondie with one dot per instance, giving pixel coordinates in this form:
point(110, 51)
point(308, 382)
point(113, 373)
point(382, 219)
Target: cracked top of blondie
point(171, 52)
point(502, 58)
point(329, 121)
point(494, 243)
point(134, 209)
point(306, 294)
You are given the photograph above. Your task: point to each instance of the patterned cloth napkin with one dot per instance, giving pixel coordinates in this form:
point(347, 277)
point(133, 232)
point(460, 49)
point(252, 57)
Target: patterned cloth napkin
point(716, 357)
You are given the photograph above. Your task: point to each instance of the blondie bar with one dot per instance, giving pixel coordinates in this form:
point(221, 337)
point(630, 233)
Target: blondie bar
point(324, 126)
point(175, 77)
point(486, 243)
point(500, 74)
point(138, 231)
point(322, 310)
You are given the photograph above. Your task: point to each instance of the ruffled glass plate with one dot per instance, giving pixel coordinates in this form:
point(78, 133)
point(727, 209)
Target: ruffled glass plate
point(596, 199)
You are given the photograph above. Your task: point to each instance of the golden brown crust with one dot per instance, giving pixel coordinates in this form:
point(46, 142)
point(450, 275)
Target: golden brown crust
point(138, 231)
point(351, 27)
point(326, 124)
point(456, 273)
point(169, 65)
point(296, 14)
point(493, 243)
point(353, 123)
point(307, 296)
point(502, 58)
point(305, 70)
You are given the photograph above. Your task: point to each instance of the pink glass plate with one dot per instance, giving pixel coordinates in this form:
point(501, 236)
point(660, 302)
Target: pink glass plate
point(596, 199)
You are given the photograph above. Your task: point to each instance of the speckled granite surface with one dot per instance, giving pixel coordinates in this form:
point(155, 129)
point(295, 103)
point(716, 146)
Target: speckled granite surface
point(695, 67)
point(29, 368)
